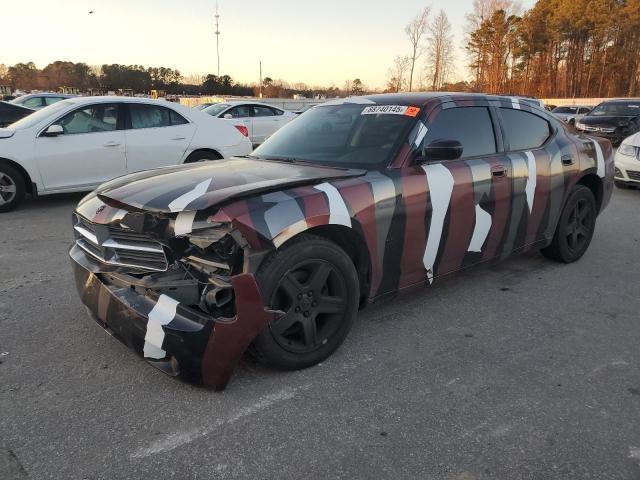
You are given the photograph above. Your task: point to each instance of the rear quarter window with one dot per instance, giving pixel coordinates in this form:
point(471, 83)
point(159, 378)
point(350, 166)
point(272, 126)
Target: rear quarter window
point(524, 130)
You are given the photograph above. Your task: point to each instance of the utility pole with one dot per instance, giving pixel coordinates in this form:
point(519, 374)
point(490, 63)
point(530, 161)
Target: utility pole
point(217, 16)
point(260, 78)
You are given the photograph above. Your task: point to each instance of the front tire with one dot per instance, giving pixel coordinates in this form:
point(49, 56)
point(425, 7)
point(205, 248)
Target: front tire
point(315, 284)
point(575, 228)
point(12, 188)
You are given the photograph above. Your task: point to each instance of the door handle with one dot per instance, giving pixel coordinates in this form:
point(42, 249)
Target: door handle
point(567, 160)
point(498, 171)
point(112, 144)
point(178, 138)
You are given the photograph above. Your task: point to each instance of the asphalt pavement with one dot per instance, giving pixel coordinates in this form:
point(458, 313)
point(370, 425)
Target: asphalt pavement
point(524, 370)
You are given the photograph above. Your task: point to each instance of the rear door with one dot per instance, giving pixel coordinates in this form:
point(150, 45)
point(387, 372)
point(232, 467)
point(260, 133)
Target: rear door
point(156, 136)
point(90, 152)
point(538, 165)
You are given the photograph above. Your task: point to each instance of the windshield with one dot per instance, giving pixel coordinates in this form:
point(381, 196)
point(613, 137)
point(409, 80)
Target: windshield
point(216, 109)
point(617, 109)
point(36, 117)
point(565, 110)
point(347, 135)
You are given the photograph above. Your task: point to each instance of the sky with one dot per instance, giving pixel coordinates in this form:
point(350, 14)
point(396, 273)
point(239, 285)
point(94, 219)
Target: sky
point(316, 42)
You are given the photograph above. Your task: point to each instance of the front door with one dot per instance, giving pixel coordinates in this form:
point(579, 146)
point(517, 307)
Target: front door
point(89, 152)
point(455, 209)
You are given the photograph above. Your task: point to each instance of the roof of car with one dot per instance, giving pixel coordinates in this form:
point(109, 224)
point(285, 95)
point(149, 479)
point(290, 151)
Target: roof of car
point(117, 98)
point(242, 102)
point(47, 94)
point(420, 98)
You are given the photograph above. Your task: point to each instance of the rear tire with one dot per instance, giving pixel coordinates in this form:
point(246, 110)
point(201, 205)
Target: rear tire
point(202, 156)
point(575, 228)
point(12, 188)
point(316, 284)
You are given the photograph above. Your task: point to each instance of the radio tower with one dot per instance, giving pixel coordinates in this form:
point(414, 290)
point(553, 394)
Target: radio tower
point(217, 17)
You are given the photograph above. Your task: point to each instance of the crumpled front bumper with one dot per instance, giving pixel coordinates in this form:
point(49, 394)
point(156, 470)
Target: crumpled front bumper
point(174, 338)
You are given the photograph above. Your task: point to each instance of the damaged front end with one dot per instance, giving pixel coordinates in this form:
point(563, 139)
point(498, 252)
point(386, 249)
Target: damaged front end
point(176, 288)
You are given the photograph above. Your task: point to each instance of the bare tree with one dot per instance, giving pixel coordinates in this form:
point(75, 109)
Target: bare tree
point(440, 51)
point(397, 73)
point(194, 79)
point(416, 30)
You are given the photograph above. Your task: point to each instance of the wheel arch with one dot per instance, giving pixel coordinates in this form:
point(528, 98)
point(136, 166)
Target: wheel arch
point(353, 244)
point(28, 181)
point(215, 153)
point(594, 183)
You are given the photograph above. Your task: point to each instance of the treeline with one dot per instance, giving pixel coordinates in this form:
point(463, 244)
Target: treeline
point(558, 48)
point(140, 79)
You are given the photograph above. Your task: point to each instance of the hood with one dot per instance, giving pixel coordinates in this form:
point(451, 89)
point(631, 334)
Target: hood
point(633, 140)
point(200, 186)
point(6, 133)
point(606, 120)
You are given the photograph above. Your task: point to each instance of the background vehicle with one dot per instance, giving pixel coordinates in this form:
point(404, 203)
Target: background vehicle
point(307, 107)
point(356, 200)
point(614, 120)
point(569, 114)
point(628, 162)
point(261, 120)
point(81, 142)
point(10, 113)
point(6, 92)
point(36, 101)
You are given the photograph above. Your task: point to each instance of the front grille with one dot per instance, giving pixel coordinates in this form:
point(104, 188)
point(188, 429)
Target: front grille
point(589, 128)
point(633, 175)
point(117, 246)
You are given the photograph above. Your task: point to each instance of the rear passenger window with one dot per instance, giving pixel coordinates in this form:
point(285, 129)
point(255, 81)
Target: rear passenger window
point(471, 126)
point(525, 131)
point(177, 119)
point(148, 116)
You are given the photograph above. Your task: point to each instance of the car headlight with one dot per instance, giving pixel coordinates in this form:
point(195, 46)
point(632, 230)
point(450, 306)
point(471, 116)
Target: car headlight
point(627, 150)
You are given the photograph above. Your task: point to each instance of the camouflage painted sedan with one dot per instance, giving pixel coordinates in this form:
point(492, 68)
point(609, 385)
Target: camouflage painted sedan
point(355, 201)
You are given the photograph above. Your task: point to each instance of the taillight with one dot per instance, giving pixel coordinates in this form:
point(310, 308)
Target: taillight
point(243, 130)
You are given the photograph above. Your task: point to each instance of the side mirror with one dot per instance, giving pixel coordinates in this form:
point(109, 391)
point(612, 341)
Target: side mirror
point(53, 131)
point(442, 150)
point(228, 116)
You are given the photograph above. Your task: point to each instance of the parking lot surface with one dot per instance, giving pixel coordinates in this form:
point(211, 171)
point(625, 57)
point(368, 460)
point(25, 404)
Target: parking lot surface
point(526, 369)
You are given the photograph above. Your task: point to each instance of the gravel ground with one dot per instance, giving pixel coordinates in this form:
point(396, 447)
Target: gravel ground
point(524, 370)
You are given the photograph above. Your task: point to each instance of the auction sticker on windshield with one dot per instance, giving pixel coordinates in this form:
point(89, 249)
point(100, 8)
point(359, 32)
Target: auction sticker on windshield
point(391, 110)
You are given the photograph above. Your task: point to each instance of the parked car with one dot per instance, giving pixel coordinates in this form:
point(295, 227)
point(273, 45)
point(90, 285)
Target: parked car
point(262, 120)
point(355, 201)
point(10, 113)
point(627, 161)
point(306, 108)
point(36, 101)
point(202, 106)
point(614, 120)
point(571, 113)
point(79, 143)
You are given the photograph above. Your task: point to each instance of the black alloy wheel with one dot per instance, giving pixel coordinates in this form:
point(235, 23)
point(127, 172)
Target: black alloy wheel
point(315, 284)
point(313, 296)
point(580, 226)
point(575, 227)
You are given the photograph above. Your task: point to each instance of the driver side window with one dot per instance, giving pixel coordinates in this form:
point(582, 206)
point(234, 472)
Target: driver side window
point(471, 126)
point(97, 118)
